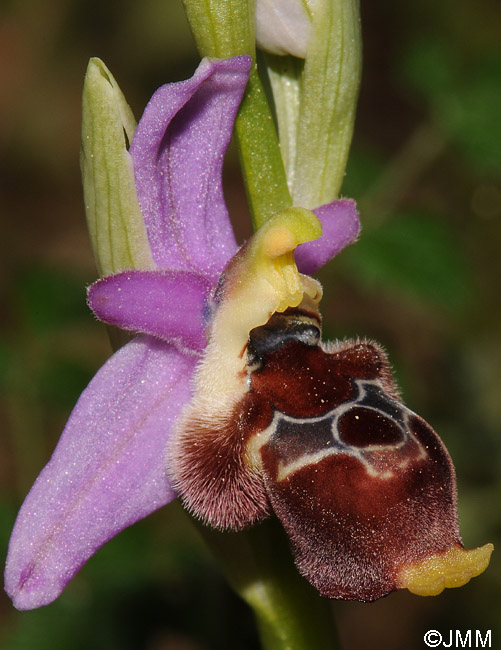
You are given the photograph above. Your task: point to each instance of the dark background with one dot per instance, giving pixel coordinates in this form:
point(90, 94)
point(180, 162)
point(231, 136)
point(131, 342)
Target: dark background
point(423, 280)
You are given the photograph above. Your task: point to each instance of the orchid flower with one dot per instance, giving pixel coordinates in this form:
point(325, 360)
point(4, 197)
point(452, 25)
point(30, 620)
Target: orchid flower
point(109, 468)
point(227, 397)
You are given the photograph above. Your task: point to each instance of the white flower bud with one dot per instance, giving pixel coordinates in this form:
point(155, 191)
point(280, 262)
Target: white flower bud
point(284, 26)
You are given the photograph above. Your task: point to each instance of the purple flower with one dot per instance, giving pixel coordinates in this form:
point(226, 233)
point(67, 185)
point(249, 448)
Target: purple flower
point(109, 468)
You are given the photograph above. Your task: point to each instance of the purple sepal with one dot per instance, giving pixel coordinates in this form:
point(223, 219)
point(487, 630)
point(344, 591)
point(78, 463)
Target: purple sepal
point(177, 152)
point(107, 472)
point(341, 227)
point(167, 304)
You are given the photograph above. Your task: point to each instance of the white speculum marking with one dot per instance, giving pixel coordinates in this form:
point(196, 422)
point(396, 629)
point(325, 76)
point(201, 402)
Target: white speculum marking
point(323, 437)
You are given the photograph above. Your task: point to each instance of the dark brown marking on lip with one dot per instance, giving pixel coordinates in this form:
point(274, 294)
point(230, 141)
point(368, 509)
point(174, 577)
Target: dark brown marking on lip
point(363, 427)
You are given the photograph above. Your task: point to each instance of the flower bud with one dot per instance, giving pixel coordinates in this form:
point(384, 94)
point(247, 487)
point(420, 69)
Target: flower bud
point(284, 26)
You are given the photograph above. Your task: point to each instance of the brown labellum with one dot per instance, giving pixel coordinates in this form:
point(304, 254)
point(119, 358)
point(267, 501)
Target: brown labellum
point(363, 486)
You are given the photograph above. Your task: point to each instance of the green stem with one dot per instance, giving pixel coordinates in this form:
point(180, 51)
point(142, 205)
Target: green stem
point(258, 564)
point(222, 28)
point(262, 167)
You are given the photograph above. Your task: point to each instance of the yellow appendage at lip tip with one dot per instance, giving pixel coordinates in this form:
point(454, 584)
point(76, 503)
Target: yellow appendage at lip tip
point(454, 568)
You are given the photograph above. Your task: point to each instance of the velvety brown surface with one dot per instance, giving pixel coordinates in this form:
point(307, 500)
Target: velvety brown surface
point(382, 497)
point(211, 474)
point(362, 485)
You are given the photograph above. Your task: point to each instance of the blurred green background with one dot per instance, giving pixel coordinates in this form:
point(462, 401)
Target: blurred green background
point(423, 280)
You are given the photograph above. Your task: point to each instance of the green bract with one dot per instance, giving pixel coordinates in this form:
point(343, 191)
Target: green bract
point(114, 219)
point(315, 102)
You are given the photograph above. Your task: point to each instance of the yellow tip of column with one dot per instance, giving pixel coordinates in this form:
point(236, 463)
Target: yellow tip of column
point(286, 230)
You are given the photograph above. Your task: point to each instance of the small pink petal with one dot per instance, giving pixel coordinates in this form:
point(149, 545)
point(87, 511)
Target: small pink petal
point(341, 227)
point(166, 304)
